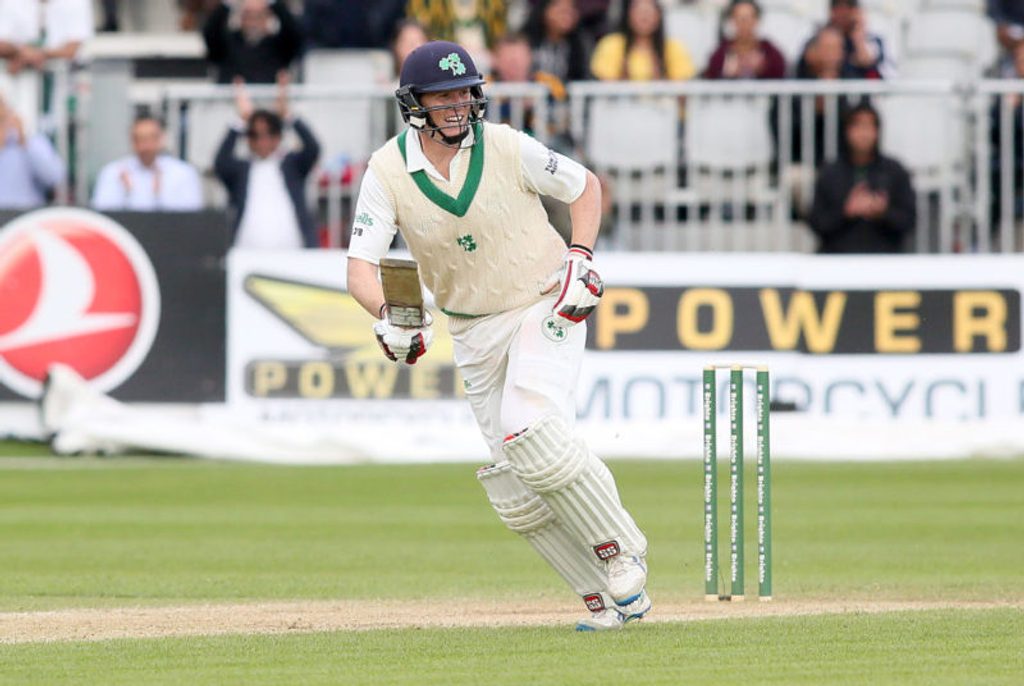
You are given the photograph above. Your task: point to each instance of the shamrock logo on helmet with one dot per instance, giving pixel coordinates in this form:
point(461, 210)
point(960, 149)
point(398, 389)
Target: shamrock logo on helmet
point(453, 63)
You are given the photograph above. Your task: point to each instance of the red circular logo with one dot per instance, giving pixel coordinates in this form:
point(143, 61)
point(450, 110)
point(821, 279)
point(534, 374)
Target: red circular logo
point(78, 290)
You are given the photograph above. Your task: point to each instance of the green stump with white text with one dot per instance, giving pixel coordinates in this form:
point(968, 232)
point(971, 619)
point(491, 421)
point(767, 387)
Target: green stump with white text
point(762, 411)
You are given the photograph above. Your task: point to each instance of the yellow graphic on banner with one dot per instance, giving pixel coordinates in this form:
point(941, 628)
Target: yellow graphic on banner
point(331, 318)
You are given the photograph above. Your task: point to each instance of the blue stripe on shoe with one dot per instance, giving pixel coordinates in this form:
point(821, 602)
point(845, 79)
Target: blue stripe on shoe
point(584, 627)
point(639, 615)
point(630, 599)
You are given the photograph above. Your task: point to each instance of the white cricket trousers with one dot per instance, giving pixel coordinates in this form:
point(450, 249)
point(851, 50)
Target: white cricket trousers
point(518, 367)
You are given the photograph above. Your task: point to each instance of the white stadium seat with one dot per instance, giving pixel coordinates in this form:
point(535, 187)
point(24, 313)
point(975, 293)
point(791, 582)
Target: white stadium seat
point(923, 134)
point(728, 157)
point(963, 33)
point(727, 134)
point(929, 139)
point(633, 135)
point(344, 129)
point(789, 32)
point(951, 66)
point(335, 67)
point(208, 122)
point(696, 28)
point(815, 10)
point(977, 6)
point(347, 129)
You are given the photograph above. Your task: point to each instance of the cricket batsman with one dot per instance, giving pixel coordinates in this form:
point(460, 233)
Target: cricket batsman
point(465, 195)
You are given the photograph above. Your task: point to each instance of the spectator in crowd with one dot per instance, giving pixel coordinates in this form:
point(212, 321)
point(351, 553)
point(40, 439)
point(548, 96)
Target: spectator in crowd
point(36, 31)
point(863, 202)
point(513, 60)
point(193, 13)
point(350, 23)
point(742, 53)
point(593, 17)
point(556, 41)
point(863, 52)
point(267, 192)
point(409, 34)
point(253, 51)
point(825, 61)
point(30, 168)
point(824, 58)
point(110, 12)
point(639, 50)
point(1008, 16)
point(1014, 139)
point(475, 25)
point(514, 63)
point(150, 180)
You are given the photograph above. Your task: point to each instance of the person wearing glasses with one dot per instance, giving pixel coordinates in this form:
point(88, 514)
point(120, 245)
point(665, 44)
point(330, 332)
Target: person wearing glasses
point(864, 55)
point(266, 192)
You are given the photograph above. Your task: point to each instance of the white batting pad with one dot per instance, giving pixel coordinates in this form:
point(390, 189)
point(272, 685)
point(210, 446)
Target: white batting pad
point(576, 485)
point(524, 512)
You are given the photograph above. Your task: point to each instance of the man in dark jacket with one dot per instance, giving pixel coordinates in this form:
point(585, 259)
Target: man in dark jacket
point(863, 202)
point(267, 192)
point(351, 23)
point(252, 51)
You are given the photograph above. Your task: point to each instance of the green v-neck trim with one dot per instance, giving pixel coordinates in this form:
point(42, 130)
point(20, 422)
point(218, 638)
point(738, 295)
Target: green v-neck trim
point(460, 205)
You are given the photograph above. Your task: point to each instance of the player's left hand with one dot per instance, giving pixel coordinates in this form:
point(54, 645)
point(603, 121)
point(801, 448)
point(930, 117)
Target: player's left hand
point(580, 287)
point(404, 345)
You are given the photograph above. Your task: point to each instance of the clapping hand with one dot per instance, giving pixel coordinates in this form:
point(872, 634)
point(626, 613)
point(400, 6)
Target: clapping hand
point(863, 202)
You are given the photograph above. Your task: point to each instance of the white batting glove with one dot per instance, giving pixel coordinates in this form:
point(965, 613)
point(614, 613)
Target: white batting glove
point(580, 287)
point(403, 345)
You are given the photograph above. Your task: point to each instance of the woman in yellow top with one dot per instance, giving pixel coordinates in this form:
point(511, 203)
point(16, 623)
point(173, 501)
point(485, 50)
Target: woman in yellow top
point(639, 50)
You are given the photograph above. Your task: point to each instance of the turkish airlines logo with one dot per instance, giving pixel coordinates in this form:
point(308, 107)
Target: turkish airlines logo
point(75, 288)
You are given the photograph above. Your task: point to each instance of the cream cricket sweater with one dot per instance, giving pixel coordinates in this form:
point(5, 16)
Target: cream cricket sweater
point(482, 240)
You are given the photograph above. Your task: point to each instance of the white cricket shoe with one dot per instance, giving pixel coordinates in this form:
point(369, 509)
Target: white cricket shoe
point(618, 616)
point(627, 576)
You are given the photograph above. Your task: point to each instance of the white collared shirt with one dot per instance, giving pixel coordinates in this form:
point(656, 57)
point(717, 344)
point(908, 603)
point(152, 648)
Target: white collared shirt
point(545, 172)
point(60, 21)
point(170, 185)
point(269, 221)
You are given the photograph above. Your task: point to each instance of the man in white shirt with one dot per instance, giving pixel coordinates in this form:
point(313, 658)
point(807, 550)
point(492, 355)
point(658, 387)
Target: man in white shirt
point(30, 167)
point(267, 191)
point(41, 30)
point(150, 180)
point(465, 195)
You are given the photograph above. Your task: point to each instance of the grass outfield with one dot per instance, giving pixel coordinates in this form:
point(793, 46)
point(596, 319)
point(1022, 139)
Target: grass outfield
point(159, 531)
point(945, 647)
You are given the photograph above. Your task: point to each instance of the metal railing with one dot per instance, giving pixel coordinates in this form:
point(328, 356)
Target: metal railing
point(695, 165)
point(998, 111)
point(349, 121)
point(739, 172)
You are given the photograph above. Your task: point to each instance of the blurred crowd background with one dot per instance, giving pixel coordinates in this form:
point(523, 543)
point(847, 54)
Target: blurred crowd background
point(828, 125)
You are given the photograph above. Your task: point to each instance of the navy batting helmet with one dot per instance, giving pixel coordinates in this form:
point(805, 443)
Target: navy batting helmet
point(432, 68)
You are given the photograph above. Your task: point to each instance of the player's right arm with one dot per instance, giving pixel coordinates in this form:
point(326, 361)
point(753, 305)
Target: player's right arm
point(364, 285)
point(373, 230)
